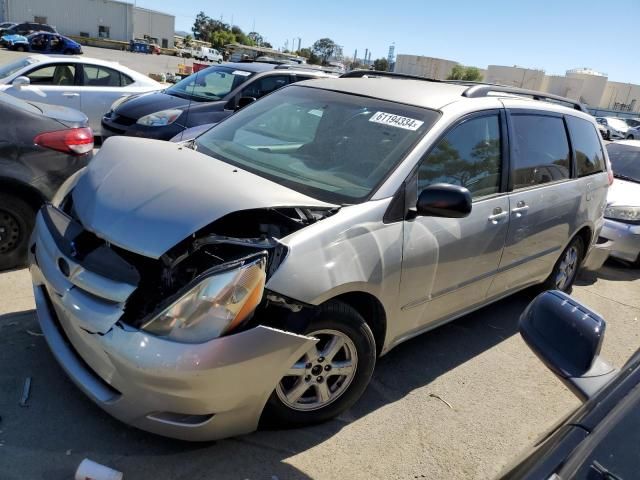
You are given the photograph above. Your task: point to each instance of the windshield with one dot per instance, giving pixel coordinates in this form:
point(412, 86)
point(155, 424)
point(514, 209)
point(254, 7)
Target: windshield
point(11, 68)
point(211, 84)
point(332, 146)
point(625, 161)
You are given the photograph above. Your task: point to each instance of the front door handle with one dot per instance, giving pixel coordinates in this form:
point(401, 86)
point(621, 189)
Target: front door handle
point(70, 94)
point(520, 207)
point(498, 214)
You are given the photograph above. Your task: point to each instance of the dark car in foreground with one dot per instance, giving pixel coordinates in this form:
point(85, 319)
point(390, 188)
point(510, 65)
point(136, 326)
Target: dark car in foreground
point(42, 145)
point(45, 42)
point(207, 96)
point(600, 440)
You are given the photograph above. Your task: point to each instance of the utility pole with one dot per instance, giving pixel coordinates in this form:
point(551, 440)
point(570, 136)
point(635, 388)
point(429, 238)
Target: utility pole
point(366, 52)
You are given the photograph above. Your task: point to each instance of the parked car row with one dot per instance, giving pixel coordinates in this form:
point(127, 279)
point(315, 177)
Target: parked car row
point(306, 235)
point(613, 128)
point(43, 42)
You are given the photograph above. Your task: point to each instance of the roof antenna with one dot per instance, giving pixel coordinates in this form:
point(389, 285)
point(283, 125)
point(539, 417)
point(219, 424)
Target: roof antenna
point(186, 118)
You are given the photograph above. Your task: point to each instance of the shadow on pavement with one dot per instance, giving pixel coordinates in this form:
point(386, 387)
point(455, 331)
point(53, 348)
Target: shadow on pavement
point(60, 426)
point(613, 270)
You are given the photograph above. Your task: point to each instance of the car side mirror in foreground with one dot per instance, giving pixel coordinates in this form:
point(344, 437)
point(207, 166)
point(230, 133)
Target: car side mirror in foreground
point(444, 200)
point(567, 337)
point(244, 101)
point(20, 82)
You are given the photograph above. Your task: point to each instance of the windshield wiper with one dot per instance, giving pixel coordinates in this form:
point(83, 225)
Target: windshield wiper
point(604, 473)
point(626, 177)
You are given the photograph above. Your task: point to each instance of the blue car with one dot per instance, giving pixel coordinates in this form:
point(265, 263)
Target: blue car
point(9, 40)
point(45, 42)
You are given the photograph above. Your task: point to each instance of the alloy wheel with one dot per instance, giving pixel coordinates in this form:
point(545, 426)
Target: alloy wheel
point(322, 374)
point(567, 268)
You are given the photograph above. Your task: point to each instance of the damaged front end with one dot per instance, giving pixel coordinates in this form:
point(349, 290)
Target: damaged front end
point(209, 284)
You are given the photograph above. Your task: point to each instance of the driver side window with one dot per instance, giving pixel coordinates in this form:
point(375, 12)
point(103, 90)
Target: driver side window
point(469, 155)
point(61, 74)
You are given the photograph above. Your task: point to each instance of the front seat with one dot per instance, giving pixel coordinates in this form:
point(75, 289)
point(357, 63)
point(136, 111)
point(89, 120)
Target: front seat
point(63, 76)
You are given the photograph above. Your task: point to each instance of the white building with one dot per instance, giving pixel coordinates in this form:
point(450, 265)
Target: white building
point(429, 67)
point(93, 18)
point(515, 76)
point(593, 85)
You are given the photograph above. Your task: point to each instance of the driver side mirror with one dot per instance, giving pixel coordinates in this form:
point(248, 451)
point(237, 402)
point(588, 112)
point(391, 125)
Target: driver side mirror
point(20, 82)
point(244, 101)
point(444, 200)
point(567, 337)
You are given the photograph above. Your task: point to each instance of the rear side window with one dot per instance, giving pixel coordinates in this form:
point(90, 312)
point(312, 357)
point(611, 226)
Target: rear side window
point(469, 156)
point(540, 150)
point(99, 76)
point(586, 144)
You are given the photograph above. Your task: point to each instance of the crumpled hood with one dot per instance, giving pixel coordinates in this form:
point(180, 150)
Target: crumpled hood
point(622, 192)
point(147, 195)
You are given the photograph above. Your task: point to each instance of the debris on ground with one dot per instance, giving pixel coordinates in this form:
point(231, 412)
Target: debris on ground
point(89, 469)
point(442, 400)
point(26, 391)
point(35, 334)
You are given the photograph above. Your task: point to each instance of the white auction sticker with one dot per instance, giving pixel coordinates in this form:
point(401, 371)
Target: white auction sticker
point(242, 73)
point(396, 121)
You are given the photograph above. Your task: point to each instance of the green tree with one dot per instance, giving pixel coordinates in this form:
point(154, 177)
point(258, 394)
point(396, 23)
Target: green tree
point(469, 74)
point(188, 41)
point(256, 38)
point(324, 48)
point(381, 64)
point(200, 27)
point(266, 45)
point(220, 38)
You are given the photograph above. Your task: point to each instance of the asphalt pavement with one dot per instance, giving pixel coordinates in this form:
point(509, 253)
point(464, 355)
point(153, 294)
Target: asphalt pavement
point(459, 402)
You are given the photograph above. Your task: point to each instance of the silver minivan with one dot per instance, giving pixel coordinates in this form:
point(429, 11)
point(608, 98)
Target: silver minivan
point(253, 276)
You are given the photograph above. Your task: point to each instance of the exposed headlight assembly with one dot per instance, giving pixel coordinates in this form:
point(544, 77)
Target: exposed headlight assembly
point(623, 213)
point(220, 302)
point(160, 119)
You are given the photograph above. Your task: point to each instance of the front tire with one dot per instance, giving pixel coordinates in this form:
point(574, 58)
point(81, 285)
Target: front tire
point(16, 223)
point(566, 269)
point(331, 376)
point(630, 137)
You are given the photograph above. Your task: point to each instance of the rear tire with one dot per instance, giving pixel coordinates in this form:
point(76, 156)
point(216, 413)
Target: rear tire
point(566, 269)
point(16, 223)
point(630, 137)
point(20, 49)
point(346, 342)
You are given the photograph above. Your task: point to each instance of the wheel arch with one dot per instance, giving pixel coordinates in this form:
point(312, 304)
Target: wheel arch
point(372, 312)
point(27, 192)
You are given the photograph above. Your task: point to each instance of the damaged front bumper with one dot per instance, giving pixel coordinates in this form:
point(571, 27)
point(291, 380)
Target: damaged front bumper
point(202, 391)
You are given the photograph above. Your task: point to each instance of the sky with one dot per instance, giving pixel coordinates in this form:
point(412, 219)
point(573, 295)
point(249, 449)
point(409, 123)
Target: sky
point(550, 35)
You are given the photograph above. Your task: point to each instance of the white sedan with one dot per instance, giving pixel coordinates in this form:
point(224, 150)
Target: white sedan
point(86, 84)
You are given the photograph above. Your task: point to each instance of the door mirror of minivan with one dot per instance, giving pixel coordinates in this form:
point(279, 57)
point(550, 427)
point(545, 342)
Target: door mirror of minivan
point(244, 101)
point(567, 337)
point(20, 82)
point(444, 200)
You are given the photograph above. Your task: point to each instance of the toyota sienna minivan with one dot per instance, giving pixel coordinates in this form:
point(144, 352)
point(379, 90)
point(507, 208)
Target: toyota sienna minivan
point(253, 275)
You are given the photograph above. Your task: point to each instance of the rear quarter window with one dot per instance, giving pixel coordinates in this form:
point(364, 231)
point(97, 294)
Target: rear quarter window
point(586, 145)
point(540, 150)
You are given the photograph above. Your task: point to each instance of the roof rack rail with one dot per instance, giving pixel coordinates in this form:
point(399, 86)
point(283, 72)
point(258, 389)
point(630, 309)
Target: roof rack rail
point(378, 73)
point(483, 90)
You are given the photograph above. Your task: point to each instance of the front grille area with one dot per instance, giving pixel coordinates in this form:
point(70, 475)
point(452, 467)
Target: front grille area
point(122, 120)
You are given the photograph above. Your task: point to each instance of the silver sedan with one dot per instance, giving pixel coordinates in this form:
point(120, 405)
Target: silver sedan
point(622, 215)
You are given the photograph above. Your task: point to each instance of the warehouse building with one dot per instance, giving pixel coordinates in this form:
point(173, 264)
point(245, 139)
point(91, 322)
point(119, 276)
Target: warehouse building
point(515, 76)
point(93, 18)
point(429, 67)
